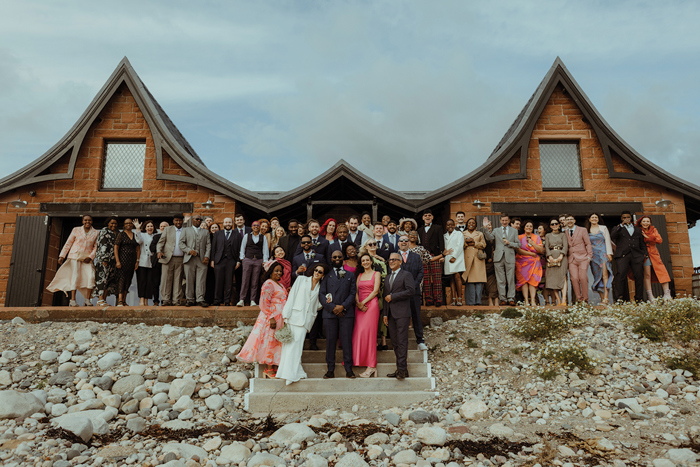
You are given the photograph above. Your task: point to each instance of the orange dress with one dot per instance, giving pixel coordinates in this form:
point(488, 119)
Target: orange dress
point(261, 346)
point(658, 269)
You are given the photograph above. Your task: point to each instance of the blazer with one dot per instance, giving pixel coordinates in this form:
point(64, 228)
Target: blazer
point(246, 230)
point(148, 246)
point(401, 292)
point(501, 251)
point(579, 245)
point(290, 244)
point(193, 238)
point(166, 243)
point(342, 290)
point(626, 244)
point(302, 304)
point(80, 243)
point(337, 245)
point(395, 243)
point(385, 249)
point(433, 240)
point(414, 265)
point(219, 245)
point(299, 260)
point(322, 249)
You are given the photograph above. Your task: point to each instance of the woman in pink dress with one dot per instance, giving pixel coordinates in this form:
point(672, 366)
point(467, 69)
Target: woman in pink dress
point(261, 346)
point(77, 271)
point(364, 336)
point(528, 269)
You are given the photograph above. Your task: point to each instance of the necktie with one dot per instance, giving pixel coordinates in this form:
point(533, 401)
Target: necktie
point(337, 272)
point(307, 256)
point(571, 232)
point(228, 234)
point(404, 254)
point(240, 231)
point(391, 280)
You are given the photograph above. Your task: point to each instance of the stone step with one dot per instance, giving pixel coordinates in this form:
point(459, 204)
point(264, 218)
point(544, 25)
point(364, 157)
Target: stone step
point(335, 385)
point(321, 343)
point(317, 370)
point(384, 356)
point(317, 402)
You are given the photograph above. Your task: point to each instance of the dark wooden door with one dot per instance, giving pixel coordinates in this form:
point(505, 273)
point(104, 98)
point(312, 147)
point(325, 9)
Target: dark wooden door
point(28, 262)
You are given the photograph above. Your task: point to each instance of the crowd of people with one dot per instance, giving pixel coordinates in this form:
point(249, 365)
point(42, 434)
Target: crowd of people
point(368, 280)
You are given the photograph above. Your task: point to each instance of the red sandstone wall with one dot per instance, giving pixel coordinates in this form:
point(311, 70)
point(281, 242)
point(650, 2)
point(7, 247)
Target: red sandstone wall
point(561, 119)
point(120, 119)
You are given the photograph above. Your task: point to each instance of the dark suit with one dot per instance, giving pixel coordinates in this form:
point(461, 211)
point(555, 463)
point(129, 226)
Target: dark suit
point(337, 245)
point(290, 244)
point(342, 292)
point(299, 260)
point(384, 248)
point(395, 242)
point(630, 251)
point(238, 273)
point(414, 265)
point(398, 312)
point(322, 249)
point(225, 254)
point(156, 268)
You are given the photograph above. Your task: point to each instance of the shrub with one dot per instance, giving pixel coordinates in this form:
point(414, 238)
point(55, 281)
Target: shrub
point(677, 319)
point(569, 355)
point(541, 323)
point(646, 329)
point(511, 313)
point(471, 344)
point(687, 362)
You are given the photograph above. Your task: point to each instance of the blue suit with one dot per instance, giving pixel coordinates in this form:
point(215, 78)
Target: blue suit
point(385, 249)
point(395, 243)
point(342, 291)
point(322, 249)
point(414, 265)
point(299, 260)
point(336, 245)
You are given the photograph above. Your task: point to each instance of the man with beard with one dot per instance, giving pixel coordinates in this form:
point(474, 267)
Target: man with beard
point(318, 243)
point(290, 242)
point(337, 296)
point(170, 256)
point(225, 251)
point(391, 236)
point(339, 243)
point(355, 236)
point(254, 252)
point(195, 242)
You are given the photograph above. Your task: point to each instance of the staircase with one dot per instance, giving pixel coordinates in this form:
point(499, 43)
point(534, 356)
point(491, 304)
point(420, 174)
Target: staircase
point(318, 394)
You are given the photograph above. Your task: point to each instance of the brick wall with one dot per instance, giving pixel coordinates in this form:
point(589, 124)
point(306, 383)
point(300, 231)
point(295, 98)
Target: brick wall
point(561, 119)
point(121, 119)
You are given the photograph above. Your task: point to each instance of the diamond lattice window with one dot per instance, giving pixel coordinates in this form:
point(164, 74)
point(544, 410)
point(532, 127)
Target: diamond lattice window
point(123, 166)
point(560, 166)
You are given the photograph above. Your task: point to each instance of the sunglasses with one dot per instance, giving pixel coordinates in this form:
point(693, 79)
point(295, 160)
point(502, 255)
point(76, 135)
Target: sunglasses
point(319, 271)
point(403, 240)
point(372, 244)
point(305, 243)
point(554, 223)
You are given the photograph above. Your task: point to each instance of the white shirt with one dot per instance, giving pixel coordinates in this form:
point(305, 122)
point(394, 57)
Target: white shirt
point(256, 239)
point(630, 228)
point(427, 227)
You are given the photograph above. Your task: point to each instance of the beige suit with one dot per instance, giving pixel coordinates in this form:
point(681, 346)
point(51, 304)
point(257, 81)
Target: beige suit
point(198, 240)
point(475, 268)
point(171, 275)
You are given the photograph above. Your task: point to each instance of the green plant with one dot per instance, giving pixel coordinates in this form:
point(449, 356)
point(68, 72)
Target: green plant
point(511, 313)
point(567, 355)
point(485, 331)
point(488, 353)
point(648, 330)
point(540, 323)
point(687, 362)
point(479, 315)
point(515, 351)
point(548, 374)
point(471, 344)
point(677, 319)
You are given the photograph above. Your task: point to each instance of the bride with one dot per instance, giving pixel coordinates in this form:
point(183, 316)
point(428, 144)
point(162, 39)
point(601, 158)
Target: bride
point(299, 314)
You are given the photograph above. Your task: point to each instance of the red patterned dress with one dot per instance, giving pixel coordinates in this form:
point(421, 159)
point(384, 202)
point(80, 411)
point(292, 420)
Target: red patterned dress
point(261, 346)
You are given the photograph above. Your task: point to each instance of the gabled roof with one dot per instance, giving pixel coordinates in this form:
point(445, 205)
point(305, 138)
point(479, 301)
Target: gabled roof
point(516, 141)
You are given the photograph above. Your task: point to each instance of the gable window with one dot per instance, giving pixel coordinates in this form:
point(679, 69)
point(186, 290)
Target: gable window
point(123, 165)
point(560, 166)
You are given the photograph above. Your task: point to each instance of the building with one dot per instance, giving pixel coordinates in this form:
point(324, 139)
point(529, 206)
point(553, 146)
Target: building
point(125, 157)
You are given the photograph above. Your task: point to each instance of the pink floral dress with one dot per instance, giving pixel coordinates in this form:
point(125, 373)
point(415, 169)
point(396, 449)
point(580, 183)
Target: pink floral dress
point(261, 346)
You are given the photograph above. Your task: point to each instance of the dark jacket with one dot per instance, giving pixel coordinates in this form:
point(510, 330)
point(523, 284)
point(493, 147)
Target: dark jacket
point(401, 292)
point(433, 240)
point(219, 244)
point(342, 292)
point(414, 265)
point(626, 244)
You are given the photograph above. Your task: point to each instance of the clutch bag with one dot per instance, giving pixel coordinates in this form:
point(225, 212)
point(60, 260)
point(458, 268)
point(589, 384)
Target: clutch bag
point(284, 335)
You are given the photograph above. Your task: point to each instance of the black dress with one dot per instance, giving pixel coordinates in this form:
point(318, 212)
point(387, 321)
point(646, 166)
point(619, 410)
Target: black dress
point(128, 259)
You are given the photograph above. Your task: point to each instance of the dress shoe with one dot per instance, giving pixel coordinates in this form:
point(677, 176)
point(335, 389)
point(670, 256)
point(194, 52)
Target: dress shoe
point(392, 375)
point(401, 375)
point(202, 304)
point(511, 303)
point(166, 303)
point(350, 374)
point(329, 375)
point(438, 304)
point(313, 346)
point(382, 347)
point(216, 304)
point(189, 303)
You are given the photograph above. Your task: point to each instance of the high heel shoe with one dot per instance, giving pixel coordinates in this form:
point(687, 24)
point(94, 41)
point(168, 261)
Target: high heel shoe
point(369, 372)
point(269, 374)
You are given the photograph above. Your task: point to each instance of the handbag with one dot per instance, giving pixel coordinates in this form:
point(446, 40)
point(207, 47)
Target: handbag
point(284, 335)
point(83, 256)
point(481, 255)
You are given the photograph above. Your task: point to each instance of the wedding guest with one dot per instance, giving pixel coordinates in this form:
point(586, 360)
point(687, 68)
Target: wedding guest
point(274, 223)
point(654, 268)
point(254, 252)
point(305, 259)
point(379, 265)
point(196, 245)
point(299, 314)
point(474, 266)
point(460, 225)
point(278, 255)
point(385, 222)
point(290, 242)
point(542, 231)
point(146, 280)
point(407, 225)
point(170, 256)
point(278, 234)
point(356, 236)
point(318, 244)
point(505, 245)
point(106, 266)
point(157, 268)
point(413, 263)
point(338, 301)
point(630, 254)
point(77, 272)
point(301, 229)
point(601, 260)
point(366, 317)
point(328, 230)
point(491, 282)
point(265, 230)
point(431, 237)
point(350, 254)
point(211, 277)
point(398, 292)
point(454, 261)
point(384, 248)
point(241, 230)
point(126, 255)
point(528, 269)
point(556, 249)
point(580, 253)
point(366, 224)
point(225, 255)
point(341, 240)
point(392, 235)
point(261, 346)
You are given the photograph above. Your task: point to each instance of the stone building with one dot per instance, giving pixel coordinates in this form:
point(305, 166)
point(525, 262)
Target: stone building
point(125, 157)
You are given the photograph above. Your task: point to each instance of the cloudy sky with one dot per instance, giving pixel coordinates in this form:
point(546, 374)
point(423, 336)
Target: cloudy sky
point(272, 93)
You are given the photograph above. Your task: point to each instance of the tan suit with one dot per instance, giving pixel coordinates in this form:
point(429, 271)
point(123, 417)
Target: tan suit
point(196, 239)
point(580, 254)
point(171, 275)
point(475, 267)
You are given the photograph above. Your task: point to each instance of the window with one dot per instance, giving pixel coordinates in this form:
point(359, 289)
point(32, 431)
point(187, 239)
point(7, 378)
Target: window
point(560, 166)
point(123, 166)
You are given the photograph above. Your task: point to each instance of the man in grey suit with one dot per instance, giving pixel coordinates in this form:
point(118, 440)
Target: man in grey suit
point(170, 255)
point(196, 245)
point(505, 243)
point(398, 289)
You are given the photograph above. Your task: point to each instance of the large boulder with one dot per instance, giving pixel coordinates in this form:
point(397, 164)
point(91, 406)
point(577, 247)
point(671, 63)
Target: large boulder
point(293, 433)
point(98, 418)
point(79, 426)
point(237, 380)
point(236, 453)
point(265, 459)
point(15, 404)
point(181, 387)
point(127, 385)
point(432, 436)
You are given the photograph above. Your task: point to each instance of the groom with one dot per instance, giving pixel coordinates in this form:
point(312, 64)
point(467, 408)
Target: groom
point(337, 294)
point(399, 290)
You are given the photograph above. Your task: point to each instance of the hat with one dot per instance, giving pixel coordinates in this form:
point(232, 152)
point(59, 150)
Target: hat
point(413, 221)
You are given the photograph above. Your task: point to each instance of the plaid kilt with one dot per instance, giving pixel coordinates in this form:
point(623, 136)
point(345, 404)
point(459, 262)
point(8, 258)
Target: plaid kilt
point(432, 283)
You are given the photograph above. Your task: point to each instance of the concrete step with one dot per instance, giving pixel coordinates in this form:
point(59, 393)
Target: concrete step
point(317, 370)
point(384, 356)
point(317, 402)
point(321, 343)
point(335, 385)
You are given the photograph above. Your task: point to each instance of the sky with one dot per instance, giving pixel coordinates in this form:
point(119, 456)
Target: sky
point(273, 93)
